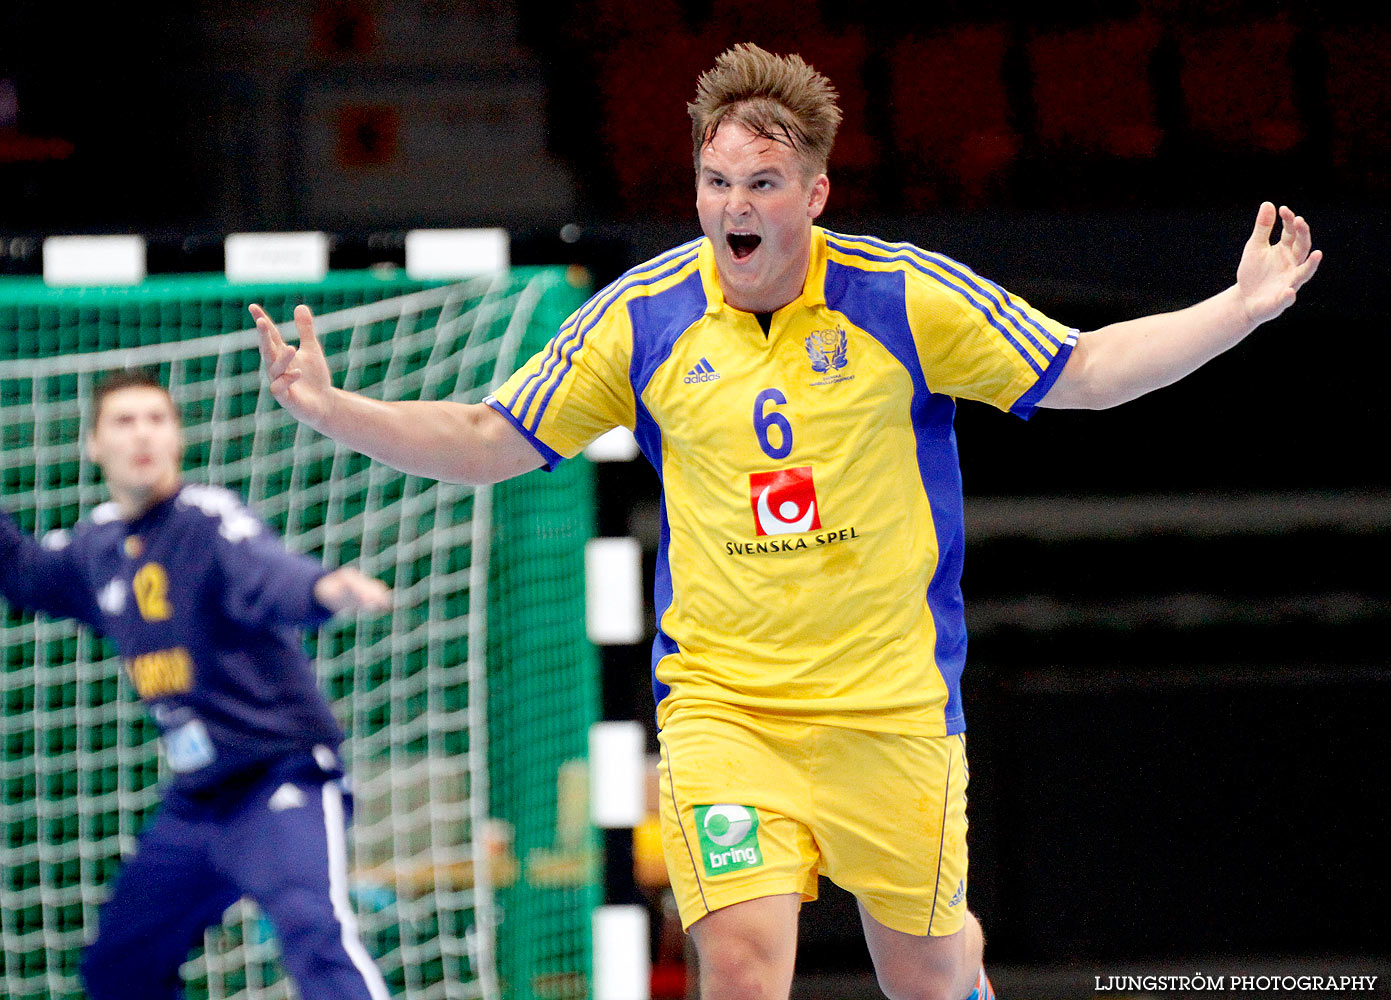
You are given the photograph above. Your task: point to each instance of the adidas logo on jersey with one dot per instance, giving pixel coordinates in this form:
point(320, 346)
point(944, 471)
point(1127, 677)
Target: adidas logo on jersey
point(703, 372)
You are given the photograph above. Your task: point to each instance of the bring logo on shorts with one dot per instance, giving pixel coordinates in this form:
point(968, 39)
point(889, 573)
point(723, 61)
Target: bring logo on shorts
point(728, 838)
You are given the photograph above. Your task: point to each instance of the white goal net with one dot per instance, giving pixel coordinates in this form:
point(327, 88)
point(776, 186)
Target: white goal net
point(80, 764)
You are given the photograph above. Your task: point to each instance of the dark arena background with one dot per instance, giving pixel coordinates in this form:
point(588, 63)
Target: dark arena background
point(1178, 690)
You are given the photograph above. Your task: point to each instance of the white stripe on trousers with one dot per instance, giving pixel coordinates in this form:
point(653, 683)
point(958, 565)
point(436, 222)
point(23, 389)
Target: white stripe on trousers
point(336, 829)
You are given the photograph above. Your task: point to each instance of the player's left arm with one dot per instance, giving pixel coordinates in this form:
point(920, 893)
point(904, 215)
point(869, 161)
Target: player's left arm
point(1117, 363)
point(264, 585)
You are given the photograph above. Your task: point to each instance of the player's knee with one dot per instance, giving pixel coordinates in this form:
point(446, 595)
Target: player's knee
point(734, 967)
point(918, 976)
point(928, 968)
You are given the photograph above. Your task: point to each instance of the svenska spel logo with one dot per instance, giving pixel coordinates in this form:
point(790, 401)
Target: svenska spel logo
point(728, 838)
point(784, 502)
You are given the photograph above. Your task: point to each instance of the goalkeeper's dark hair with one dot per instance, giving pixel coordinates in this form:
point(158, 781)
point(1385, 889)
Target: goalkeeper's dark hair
point(781, 98)
point(128, 378)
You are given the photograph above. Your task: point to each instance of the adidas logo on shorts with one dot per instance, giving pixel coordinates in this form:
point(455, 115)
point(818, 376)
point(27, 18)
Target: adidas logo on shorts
point(959, 895)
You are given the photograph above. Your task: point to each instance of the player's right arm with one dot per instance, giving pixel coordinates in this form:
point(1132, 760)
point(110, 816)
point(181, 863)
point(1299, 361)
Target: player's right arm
point(42, 577)
point(455, 442)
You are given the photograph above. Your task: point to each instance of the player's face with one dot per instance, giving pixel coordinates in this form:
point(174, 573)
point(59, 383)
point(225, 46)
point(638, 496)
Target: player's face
point(138, 443)
point(756, 205)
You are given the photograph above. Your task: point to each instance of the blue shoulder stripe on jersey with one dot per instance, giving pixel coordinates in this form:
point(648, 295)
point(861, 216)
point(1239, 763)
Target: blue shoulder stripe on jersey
point(1010, 309)
point(873, 255)
point(903, 256)
point(552, 458)
point(543, 370)
point(574, 339)
point(558, 341)
point(1025, 405)
point(1018, 310)
point(658, 322)
point(577, 339)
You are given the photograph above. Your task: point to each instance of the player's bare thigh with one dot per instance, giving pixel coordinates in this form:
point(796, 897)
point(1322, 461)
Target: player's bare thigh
point(748, 949)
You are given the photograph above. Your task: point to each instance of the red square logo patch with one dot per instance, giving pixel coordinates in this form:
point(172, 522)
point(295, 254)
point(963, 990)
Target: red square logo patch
point(784, 502)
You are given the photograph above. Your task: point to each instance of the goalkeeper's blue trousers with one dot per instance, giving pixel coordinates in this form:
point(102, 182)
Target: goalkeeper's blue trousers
point(279, 841)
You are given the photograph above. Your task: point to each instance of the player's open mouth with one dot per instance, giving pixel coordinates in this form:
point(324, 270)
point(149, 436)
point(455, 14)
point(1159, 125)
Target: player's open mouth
point(742, 244)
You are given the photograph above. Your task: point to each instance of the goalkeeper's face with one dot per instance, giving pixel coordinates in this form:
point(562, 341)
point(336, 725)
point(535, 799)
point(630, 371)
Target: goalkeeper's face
point(138, 443)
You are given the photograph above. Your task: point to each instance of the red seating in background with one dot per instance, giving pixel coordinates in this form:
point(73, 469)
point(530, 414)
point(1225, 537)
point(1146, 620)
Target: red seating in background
point(1238, 85)
point(765, 21)
point(645, 83)
point(943, 131)
point(598, 23)
point(1359, 100)
point(949, 110)
point(1092, 92)
point(644, 86)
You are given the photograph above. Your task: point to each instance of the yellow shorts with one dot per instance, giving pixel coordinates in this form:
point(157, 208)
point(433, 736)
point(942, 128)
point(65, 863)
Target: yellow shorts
point(756, 806)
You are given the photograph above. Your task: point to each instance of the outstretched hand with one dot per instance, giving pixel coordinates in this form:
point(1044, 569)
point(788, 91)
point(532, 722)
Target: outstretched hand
point(348, 589)
point(1270, 274)
point(299, 376)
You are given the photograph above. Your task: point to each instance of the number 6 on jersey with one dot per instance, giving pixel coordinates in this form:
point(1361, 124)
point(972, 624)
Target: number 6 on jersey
point(765, 417)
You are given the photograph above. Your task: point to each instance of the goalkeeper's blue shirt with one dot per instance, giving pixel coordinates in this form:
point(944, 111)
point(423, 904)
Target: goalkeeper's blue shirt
point(205, 606)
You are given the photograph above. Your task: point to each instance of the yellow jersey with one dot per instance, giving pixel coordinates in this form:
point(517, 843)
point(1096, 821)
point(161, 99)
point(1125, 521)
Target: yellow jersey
point(811, 518)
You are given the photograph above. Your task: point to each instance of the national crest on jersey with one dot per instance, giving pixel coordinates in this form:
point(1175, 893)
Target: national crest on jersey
point(811, 528)
point(827, 350)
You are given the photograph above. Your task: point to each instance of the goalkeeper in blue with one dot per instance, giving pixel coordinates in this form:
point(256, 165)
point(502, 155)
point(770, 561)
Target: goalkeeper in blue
point(206, 607)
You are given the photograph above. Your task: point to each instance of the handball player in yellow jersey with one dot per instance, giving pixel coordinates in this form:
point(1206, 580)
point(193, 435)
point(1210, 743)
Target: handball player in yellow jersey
point(794, 388)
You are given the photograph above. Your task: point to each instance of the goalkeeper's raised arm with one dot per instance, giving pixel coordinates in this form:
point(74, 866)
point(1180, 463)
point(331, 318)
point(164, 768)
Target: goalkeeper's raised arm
point(456, 442)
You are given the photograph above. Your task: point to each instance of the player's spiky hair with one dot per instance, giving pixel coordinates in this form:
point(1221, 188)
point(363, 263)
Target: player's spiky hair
point(777, 97)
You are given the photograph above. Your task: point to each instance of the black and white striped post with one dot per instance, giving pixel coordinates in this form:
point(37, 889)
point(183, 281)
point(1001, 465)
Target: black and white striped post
point(617, 749)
